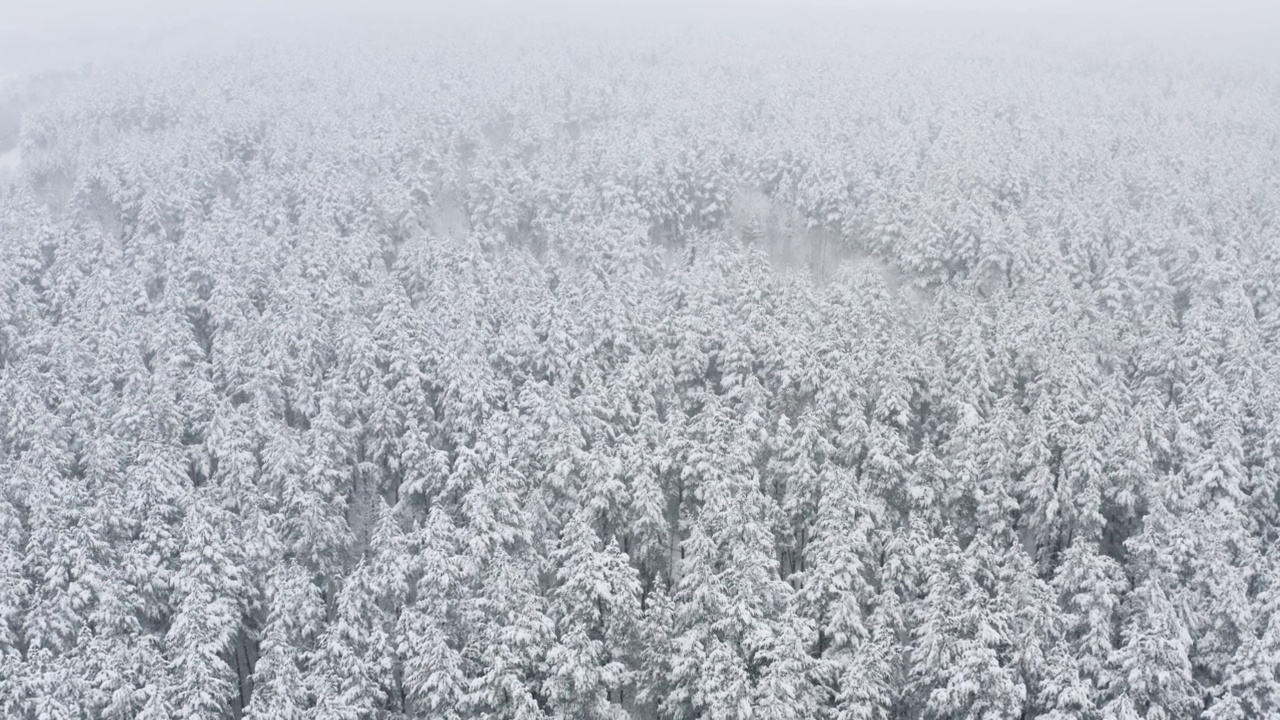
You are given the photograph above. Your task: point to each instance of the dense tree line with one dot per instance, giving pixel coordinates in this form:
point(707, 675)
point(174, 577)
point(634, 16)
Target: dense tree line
point(801, 370)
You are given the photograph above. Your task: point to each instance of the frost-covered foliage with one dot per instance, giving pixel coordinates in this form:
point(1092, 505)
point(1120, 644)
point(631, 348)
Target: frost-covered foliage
point(830, 369)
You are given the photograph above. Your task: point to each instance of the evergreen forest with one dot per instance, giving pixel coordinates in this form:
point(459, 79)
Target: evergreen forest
point(737, 365)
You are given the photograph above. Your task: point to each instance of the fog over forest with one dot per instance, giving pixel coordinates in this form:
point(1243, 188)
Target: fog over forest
point(733, 360)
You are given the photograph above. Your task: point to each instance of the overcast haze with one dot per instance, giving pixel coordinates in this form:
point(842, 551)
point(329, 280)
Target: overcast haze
point(55, 19)
point(63, 34)
point(639, 361)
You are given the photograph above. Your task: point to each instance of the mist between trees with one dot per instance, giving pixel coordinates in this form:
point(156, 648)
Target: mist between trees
point(848, 366)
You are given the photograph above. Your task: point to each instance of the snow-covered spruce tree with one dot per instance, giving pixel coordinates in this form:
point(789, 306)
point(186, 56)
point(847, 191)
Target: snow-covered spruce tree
point(840, 594)
point(429, 630)
point(293, 620)
point(209, 606)
point(596, 603)
point(739, 645)
point(353, 669)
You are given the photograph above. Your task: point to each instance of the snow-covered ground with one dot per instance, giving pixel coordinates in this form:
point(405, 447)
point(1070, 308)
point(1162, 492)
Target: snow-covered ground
point(9, 156)
point(9, 164)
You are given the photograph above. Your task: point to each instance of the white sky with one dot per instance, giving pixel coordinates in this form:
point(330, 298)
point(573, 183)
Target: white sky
point(45, 17)
point(35, 32)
